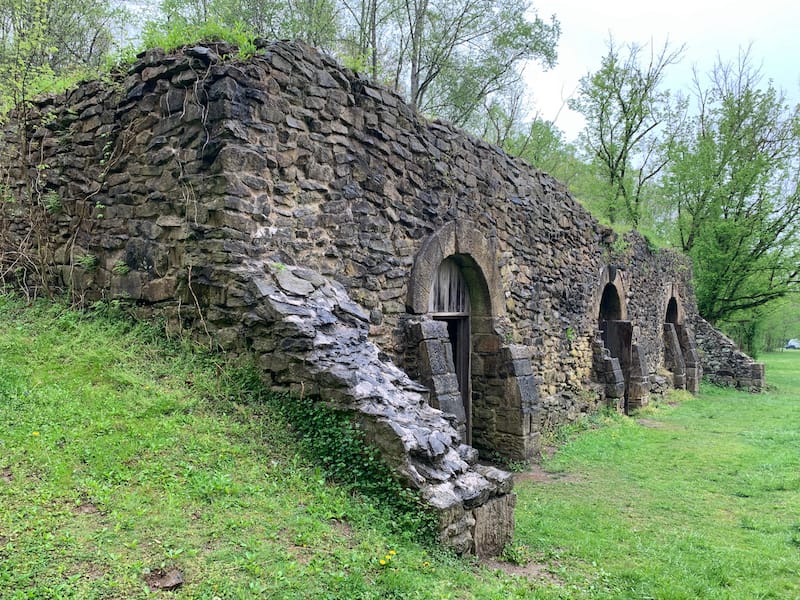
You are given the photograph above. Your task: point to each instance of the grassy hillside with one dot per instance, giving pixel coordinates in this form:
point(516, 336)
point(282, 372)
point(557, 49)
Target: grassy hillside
point(125, 458)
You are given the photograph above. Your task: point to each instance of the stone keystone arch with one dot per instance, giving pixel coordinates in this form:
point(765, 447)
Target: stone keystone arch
point(461, 237)
point(680, 353)
point(611, 280)
point(486, 386)
point(672, 305)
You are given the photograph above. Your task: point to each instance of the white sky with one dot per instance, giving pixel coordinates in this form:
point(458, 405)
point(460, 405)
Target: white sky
point(708, 28)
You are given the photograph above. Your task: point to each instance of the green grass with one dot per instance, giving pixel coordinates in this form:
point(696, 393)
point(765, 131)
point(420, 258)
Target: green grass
point(698, 500)
point(122, 454)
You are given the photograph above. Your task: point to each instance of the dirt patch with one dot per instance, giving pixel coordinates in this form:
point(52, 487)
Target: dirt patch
point(651, 424)
point(549, 451)
point(344, 529)
point(537, 474)
point(86, 508)
point(533, 570)
point(301, 554)
point(534, 471)
point(166, 580)
point(87, 570)
point(6, 474)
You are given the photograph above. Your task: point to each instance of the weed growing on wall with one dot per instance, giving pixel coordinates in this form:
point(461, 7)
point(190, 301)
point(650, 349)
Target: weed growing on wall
point(179, 34)
point(87, 262)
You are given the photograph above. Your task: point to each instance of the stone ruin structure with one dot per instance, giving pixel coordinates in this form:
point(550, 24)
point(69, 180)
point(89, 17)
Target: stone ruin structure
point(457, 301)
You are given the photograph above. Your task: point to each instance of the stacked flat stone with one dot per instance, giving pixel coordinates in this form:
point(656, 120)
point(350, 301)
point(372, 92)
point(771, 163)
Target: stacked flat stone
point(724, 363)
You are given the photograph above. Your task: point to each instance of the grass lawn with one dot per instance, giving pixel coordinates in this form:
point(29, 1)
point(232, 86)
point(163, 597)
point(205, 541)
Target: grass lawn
point(699, 499)
point(123, 457)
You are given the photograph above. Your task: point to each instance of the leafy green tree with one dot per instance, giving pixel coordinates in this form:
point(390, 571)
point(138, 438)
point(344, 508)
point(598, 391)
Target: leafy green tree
point(766, 327)
point(625, 107)
point(781, 322)
point(540, 142)
point(44, 39)
point(365, 23)
point(314, 21)
point(733, 183)
point(23, 56)
point(454, 55)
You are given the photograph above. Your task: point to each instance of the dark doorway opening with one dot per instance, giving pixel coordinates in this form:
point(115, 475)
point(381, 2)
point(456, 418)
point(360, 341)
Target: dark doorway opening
point(617, 334)
point(677, 346)
point(610, 305)
point(450, 302)
point(672, 311)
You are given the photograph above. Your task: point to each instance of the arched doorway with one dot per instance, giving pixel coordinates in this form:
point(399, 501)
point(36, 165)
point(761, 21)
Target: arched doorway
point(622, 376)
point(673, 350)
point(485, 385)
point(450, 302)
point(672, 311)
point(680, 353)
point(616, 330)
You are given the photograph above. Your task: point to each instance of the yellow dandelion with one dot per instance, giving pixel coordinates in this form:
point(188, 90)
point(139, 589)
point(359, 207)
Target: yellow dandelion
point(392, 552)
point(383, 562)
point(35, 433)
point(388, 557)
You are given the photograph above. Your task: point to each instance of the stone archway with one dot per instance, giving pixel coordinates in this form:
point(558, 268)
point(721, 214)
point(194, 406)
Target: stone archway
point(680, 354)
point(610, 298)
point(622, 369)
point(462, 238)
point(455, 297)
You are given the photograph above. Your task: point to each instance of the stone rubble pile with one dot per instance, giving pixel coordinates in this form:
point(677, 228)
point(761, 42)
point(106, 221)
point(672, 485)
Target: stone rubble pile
point(310, 337)
point(723, 362)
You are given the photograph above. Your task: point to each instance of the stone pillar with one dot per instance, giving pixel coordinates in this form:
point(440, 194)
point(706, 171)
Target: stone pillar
point(436, 370)
point(694, 369)
point(481, 525)
point(757, 381)
point(673, 357)
point(489, 539)
point(518, 408)
point(608, 373)
point(638, 380)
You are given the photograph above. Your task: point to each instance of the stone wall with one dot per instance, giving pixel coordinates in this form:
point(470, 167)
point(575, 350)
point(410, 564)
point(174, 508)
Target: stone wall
point(723, 362)
point(189, 181)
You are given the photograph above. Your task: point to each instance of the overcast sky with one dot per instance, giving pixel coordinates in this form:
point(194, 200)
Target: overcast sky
point(708, 28)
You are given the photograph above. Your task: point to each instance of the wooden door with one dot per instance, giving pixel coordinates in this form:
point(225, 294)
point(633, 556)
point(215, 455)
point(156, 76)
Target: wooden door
point(449, 302)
